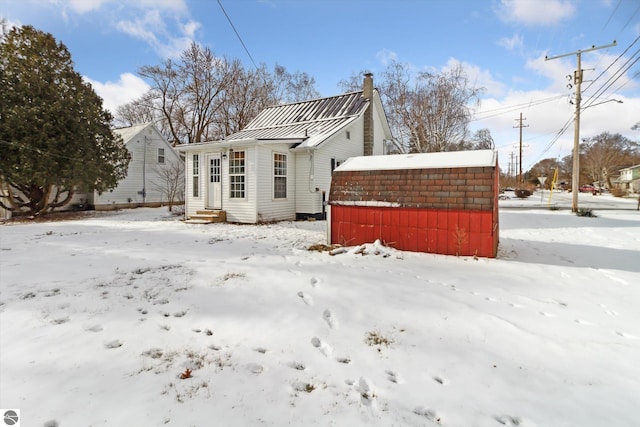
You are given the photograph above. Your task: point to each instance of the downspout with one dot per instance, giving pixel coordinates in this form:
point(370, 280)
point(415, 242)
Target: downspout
point(312, 170)
point(144, 170)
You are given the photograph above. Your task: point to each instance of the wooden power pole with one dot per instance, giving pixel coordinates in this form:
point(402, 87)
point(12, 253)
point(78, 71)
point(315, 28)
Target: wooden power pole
point(520, 125)
point(577, 77)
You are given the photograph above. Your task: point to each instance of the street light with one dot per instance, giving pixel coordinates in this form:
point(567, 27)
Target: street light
point(603, 102)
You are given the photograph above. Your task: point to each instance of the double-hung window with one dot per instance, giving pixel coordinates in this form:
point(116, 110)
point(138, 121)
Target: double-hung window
point(237, 177)
point(196, 175)
point(161, 156)
point(279, 176)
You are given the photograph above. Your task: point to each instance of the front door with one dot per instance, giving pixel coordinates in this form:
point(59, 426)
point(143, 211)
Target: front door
point(214, 186)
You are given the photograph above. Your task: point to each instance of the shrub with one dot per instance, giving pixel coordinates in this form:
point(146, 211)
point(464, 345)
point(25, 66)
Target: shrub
point(588, 212)
point(618, 192)
point(522, 193)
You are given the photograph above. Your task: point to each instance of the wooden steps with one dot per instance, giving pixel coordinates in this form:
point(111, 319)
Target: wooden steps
point(207, 216)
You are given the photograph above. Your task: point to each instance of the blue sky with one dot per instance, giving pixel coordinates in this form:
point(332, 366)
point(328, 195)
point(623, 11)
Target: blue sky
point(502, 45)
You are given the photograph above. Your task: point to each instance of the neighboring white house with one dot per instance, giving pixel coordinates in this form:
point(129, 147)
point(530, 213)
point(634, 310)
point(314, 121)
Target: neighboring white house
point(143, 185)
point(630, 179)
point(279, 167)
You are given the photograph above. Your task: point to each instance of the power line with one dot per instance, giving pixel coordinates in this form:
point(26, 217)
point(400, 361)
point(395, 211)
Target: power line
point(238, 35)
point(511, 108)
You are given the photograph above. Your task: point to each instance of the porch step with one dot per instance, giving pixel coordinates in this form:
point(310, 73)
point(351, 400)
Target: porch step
point(207, 217)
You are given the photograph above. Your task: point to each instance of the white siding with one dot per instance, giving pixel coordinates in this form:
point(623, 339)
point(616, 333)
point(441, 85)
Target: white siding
point(340, 148)
point(378, 134)
point(269, 208)
point(242, 210)
point(144, 156)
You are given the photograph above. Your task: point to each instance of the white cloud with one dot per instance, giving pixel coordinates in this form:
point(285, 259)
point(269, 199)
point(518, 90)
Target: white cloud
point(114, 94)
point(539, 12)
point(386, 56)
point(83, 6)
point(515, 43)
point(478, 77)
point(152, 29)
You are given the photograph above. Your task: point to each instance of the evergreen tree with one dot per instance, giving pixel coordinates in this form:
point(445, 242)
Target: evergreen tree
point(55, 136)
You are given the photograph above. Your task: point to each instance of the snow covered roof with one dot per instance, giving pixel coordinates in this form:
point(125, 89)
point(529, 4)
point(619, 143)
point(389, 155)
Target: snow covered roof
point(131, 131)
point(312, 121)
point(450, 159)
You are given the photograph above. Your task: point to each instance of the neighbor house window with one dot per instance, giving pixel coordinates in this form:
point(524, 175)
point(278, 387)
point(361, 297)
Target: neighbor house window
point(279, 176)
point(335, 163)
point(348, 135)
point(237, 187)
point(161, 156)
point(196, 175)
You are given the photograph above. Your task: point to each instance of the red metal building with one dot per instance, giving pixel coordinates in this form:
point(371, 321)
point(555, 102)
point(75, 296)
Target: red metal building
point(444, 203)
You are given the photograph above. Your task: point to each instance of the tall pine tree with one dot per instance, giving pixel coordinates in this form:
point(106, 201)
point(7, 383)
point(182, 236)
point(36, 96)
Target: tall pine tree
point(55, 136)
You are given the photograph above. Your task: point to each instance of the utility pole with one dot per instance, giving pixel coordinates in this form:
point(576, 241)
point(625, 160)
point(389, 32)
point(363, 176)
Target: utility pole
point(520, 125)
point(577, 77)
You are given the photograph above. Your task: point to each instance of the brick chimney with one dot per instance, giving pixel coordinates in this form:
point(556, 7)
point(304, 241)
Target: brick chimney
point(367, 93)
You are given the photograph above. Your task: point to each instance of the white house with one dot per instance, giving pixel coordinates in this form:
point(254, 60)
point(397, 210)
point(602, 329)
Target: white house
point(279, 167)
point(144, 183)
point(630, 179)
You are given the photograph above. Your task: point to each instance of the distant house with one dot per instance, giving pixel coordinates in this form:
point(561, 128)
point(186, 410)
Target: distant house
point(279, 167)
point(444, 203)
point(143, 185)
point(629, 179)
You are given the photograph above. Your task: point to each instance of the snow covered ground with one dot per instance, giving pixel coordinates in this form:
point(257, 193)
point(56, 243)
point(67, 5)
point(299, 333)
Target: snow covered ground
point(101, 318)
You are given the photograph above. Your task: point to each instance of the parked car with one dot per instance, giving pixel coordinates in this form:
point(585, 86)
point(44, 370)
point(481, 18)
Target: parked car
point(587, 188)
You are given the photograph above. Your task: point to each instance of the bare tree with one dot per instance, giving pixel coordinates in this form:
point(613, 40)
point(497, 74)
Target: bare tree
point(428, 112)
point(171, 181)
point(603, 155)
point(202, 97)
point(292, 87)
point(545, 167)
point(138, 111)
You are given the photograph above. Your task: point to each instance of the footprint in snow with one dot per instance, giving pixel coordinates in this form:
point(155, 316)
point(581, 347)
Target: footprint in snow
point(545, 314)
point(255, 368)
point(583, 322)
point(298, 366)
point(324, 348)
point(113, 344)
point(93, 328)
point(306, 298)
point(508, 420)
point(365, 388)
point(441, 380)
point(329, 317)
point(429, 414)
point(394, 377)
point(314, 282)
point(626, 335)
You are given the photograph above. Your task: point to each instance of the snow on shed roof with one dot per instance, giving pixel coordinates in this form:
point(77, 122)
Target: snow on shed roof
point(450, 159)
point(314, 120)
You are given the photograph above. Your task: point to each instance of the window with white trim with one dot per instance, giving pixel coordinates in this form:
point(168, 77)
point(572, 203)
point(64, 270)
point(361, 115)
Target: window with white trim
point(237, 178)
point(196, 175)
point(161, 156)
point(279, 176)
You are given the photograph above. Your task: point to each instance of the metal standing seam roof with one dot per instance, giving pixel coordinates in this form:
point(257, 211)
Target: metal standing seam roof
point(314, 120)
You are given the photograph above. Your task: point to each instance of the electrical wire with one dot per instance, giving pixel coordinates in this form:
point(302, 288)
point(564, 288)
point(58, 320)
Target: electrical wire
point(238, 35)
